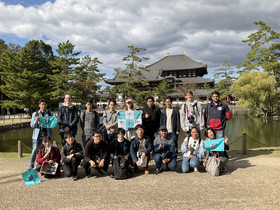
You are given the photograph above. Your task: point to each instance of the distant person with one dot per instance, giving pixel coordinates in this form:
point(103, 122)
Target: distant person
point(216, 114)
point(89, 120)
point(130, 132)
point(49, 153)
point(170, 117)
point(151, 118)
point(67, 118)
point(96, 154)
point(71, 156)
point(39, 132)
point(164, 148)
point(140, 148)
point(110, 121)
point(191, 115)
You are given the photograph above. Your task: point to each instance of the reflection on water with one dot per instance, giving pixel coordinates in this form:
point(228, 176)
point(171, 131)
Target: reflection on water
point(263, 131)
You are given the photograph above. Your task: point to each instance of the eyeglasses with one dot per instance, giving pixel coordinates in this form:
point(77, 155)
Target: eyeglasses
point(67, 98)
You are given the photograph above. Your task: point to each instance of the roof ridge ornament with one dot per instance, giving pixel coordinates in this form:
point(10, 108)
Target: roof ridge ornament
point(184, 53)
point(167, 54)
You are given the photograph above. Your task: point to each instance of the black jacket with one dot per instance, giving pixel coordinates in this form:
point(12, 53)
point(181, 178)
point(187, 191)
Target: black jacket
point(68, 149)
point(113, 148)
point(68, 117)
point(134, 145)
point(175, 119)
point(151, 123)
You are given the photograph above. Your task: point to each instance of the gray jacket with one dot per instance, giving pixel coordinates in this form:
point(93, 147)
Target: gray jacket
point(110, 118)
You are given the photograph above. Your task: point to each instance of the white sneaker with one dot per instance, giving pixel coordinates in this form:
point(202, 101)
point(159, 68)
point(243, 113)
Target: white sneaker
point(195, 169)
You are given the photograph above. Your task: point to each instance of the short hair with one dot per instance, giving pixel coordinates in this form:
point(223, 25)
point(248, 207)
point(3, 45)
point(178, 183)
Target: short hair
point(88, 101)
point(113, 102)
point(139, 126)
point(189, 92)
point(68, 95)
point(45, 139)
point(150, 97)
point(211, 129)
point(96, 131)
point(42, 100)
point(120, 130)
point(215, 93)
point(68, 134)
point(168, 97)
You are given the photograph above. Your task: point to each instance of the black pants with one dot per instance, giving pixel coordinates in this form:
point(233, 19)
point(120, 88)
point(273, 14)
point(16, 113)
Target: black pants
point(71, 168)
point(63, 140)
point(86, 166)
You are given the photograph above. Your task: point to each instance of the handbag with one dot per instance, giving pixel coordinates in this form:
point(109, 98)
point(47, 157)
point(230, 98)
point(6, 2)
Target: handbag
point(213, 166)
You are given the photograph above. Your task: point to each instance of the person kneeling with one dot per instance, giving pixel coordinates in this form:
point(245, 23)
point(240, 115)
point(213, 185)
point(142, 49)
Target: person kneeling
point(49, 153)
point(71, 155)
point(165, 150)
point(96, 154)
point(140, 148)
point(192, 149)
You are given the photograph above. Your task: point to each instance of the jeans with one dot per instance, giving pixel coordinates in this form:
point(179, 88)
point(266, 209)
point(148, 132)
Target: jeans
point(71, 168)
point(158, 160)
point(189, 133)
point(186, 164)
point(35, 146)
point(175, 138)
point(220, 133)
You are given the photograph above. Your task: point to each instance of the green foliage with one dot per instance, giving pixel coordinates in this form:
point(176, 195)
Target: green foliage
point(161, 90)
point(264, 51)
point(255, 90)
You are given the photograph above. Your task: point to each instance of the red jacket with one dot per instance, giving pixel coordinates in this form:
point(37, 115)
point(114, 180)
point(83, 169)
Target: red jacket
point(55, 156)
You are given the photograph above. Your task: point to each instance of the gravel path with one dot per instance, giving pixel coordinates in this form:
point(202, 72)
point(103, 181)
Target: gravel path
point(253, 184)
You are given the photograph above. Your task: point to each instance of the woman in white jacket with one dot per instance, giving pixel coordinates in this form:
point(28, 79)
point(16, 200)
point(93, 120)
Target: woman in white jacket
point(192, 149)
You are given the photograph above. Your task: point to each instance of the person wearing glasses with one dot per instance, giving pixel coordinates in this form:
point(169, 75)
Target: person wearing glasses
point(130, 132)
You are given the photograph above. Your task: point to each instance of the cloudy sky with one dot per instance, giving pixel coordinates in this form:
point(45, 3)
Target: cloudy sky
point(210, 31)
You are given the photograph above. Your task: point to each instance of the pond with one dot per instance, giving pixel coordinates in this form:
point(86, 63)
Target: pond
point(260, 130)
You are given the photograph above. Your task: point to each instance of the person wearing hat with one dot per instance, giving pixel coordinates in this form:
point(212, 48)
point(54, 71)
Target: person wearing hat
point(164, 148)
point(130, 132)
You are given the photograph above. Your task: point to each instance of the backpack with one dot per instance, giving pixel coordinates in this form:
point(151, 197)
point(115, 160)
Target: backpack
point(121, 168)
point(186, 110)
point(213, 166)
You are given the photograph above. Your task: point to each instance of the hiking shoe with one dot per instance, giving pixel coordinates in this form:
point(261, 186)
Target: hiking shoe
point(75, 178)
point(167, 168)
point(195, 169)
point(146, 170)
point(158, 170)
point(99, 172)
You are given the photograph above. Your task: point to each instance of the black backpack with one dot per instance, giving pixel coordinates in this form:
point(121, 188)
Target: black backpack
point(121, 168)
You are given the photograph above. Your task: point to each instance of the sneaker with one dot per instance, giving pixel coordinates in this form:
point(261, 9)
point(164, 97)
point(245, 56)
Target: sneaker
point(158, 170)
point(88, 176)
point(195, 169)
point(99, 172)
point(75, 178)
point(167, 168)
point(146, 170)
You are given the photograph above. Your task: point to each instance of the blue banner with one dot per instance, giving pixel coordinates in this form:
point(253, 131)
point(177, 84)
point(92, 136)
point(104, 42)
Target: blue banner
point(129, 119)
point(31, 177)
point(215, 145)
point(48, 122)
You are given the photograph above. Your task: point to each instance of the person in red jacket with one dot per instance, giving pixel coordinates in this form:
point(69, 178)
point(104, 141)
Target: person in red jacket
point(49, 153)
point(216, 114)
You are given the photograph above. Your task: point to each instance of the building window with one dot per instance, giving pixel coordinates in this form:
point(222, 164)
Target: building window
point(189, 73)
point(184, 74)
point(193, 73)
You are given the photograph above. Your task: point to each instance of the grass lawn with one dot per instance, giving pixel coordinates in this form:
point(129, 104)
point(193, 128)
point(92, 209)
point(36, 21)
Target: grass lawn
point(13, 155)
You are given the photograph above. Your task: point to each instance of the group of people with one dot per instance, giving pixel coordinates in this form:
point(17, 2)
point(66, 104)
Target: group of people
point(157, 136)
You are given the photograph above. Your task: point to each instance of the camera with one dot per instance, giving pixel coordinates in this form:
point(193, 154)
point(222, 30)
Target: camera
point(191, 119)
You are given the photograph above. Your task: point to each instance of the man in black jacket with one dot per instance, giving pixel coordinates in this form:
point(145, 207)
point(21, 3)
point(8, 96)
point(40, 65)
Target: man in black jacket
point(67, 118)
point(151, 118)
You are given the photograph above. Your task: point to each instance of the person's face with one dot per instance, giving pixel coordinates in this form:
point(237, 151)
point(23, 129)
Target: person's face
point(97, 138)
point(120, 136)
point(163, 133)
point(168, 103)
point(210, 134)
point(215, 97)
point(129, 104)
point(140, 132)
point(67, 99)
point(112, 106)
point(43, 106)
point(189, 97)
point(89, 105)
point(150, 102)
point(70, 139)
point(47, 143)
point(194, 133)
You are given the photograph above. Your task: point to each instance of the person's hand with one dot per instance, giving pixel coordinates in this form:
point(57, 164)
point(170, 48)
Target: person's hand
point(166, 161)
point(37, 118)
point(226, 139)
point(141, 111)
point(147, 115)
point(92, 164)
point(77, 153)
point(125, 157)
point(160, 145)
point(50, 161)
point(108, 127)
point(115, 157)
point(190, 157)
point(117, 112)
point(204, 164)
point(177, 132)
point(185, 130)
point(66, 129)
point(138, 163)
point(101, 164)
point(46, 155)
point(143, 155)
point(186, 144)
point(70, 156)
point(112, 130)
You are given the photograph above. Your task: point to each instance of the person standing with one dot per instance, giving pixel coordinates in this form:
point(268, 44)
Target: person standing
point(170, 117)
point(216, 114)
point(89, 119)
point(67, 118)
point(39, 132)
point(151, 118)
point(110, 121)
point(191, 115)
point(130, 132)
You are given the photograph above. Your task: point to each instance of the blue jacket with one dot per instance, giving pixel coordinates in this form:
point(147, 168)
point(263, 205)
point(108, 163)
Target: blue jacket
point(134, 145)
point(168, 145)
point(36, 125)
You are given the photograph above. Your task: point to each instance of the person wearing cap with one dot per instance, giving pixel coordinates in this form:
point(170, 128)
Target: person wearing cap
point(130, 132)
point(164, 148)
